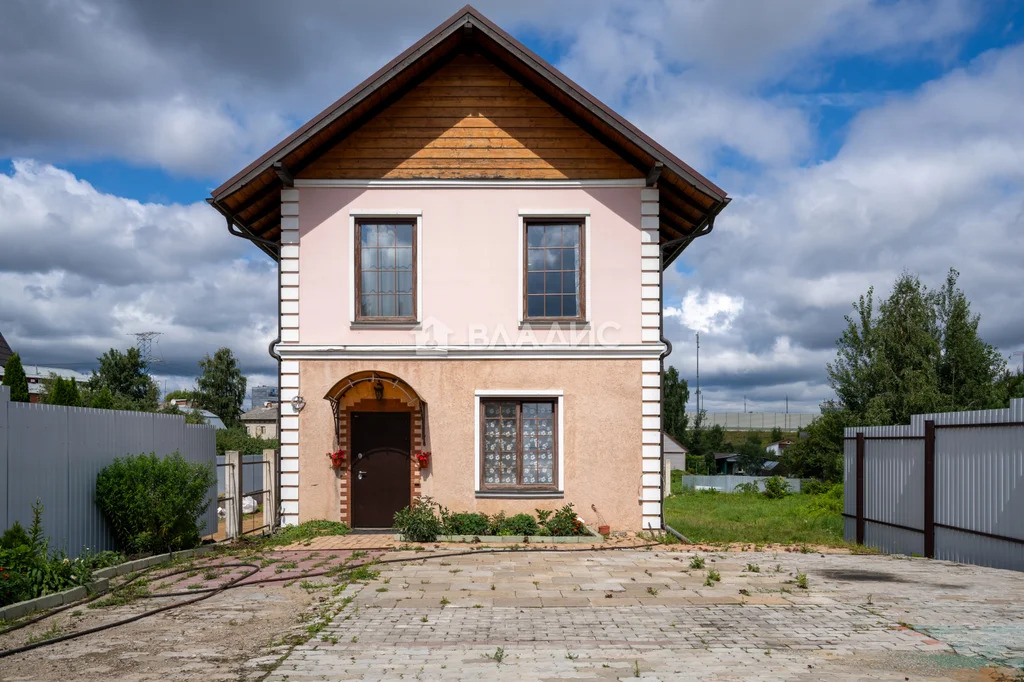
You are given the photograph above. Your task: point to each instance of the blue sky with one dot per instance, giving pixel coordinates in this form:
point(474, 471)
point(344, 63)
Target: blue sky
point(858, 139)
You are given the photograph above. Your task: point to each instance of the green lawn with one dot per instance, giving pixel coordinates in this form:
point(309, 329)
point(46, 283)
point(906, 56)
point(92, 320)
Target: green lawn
point(738, 517)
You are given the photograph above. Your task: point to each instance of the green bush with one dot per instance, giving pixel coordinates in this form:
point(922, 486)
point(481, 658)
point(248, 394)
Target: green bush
point(828, 503)
point(564, 522)
point(467, 524)
point(28, 569)
point(775, 487)
point(153, 504)
point(520, 524)
point(813, 486)
point(418, 522)
point(747, 488)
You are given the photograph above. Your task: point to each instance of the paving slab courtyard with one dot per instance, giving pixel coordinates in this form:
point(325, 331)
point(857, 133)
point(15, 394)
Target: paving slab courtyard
point(580, 614)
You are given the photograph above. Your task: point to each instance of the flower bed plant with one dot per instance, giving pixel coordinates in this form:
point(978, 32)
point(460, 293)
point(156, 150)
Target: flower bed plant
point(28, 569)
point(426, 521)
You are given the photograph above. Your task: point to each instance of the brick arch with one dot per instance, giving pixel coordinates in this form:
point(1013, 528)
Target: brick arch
point(355, 393)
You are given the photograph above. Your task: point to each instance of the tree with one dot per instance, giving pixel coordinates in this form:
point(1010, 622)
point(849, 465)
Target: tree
point(677, 394)
point(703, 442)
point(776, 434)
point(752, 455)
point(14, 377)
point(820, 454)
point(102, 399)
point(64, 392)
point(919, 353)
point(189, 395)
point(124, 375)
point(221, 386)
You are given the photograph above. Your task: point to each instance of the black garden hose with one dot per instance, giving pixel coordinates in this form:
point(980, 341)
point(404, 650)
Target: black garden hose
point(206, 593)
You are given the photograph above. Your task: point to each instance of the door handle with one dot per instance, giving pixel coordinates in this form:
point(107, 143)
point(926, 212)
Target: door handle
point(360, 474)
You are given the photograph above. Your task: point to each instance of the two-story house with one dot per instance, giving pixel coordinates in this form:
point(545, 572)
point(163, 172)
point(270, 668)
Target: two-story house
point(470, 252)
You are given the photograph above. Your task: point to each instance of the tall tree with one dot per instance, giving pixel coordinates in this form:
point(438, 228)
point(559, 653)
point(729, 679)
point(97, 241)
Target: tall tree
point(124, 375)
point(919, 353)
point(677, 394)
point(14, 377)
point(102, 399)
point(221, 386)
point(703, 442)
point(64, 392)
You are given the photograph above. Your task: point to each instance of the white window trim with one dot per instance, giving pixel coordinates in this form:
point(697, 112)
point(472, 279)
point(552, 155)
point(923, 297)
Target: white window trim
point(352, 246)
point(587, 269)
point(511, 394)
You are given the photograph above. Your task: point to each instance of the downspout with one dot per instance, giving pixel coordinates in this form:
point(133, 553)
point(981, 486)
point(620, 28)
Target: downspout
point(239, 231)
point(676, 246)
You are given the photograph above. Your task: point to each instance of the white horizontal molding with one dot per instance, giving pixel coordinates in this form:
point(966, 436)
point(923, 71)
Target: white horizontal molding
point(372, 213)
point(476, 184)
point(515, 392)
point(298, 351)
point(553, 213)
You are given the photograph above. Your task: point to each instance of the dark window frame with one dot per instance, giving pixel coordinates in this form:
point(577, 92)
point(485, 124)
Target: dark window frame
point(581, 289)
point(357, 245)
point(520, 487)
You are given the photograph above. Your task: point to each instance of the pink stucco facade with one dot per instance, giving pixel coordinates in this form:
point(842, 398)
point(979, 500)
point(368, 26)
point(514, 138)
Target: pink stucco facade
point(469, 344)
point(470, 262)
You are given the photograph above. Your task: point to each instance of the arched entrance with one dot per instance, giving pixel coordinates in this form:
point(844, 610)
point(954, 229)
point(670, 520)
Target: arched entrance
point(378, 421)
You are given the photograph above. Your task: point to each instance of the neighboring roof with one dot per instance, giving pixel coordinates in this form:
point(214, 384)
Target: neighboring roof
point(671, 445)
point(260, 414)
point(5, 351)
point(37, 375)
point(725, 455)
point(251, 199)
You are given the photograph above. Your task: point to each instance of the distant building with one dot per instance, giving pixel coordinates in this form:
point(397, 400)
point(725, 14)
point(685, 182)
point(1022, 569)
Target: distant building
point(261, 395)
point(5, 351)
point(38, 375)
point(261, 422)
point(675, 452)
point(775, 449)
point(187, 407)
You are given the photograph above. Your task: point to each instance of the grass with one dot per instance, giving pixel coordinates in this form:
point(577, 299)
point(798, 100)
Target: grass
point(305, 532)
point(746, 518)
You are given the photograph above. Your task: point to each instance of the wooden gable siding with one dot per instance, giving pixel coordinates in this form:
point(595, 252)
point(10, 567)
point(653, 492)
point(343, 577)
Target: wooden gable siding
point(470, 119)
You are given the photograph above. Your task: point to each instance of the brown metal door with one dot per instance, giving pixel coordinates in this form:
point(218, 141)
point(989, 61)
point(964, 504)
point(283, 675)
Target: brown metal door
point(381, 448)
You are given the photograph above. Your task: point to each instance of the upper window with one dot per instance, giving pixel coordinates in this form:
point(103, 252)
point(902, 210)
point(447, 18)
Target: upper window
point(386, 270)
point(519, 447)
point(554, 270)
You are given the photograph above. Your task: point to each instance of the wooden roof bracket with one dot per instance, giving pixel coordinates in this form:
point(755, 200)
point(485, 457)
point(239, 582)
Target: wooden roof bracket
point(655, 173)
point(676, 246)
point(284, 174)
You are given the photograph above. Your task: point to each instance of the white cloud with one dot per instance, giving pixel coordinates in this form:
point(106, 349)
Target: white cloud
point(706, 312)
point(81, 271)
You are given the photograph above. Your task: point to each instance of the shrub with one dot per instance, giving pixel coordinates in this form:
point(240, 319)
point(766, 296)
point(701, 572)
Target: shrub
point(520, 524)
point(813, 486)
point(418, 522)
point(153, 504)
point(29, 570)
point(747, 488)
point(467, 524)
point(775, 487)
point(564, 522)
point(828, 503)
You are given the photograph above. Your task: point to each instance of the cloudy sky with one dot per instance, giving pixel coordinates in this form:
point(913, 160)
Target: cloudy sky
point(858, 139)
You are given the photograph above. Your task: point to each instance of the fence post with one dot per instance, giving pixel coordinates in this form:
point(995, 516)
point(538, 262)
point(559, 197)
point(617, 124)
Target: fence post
point(860, 488)
point(929, 488)
point(233, 491)
point(270, 485)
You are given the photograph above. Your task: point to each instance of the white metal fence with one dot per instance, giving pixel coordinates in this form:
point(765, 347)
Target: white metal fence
point(54, 454)
point(758, 421)
point(948, 486)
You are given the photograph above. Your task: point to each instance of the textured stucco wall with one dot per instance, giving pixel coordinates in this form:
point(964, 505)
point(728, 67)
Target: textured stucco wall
point(602, 432)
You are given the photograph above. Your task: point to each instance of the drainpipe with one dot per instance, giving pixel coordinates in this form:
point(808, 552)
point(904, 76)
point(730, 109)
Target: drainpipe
point(675, 247)
point(239, 231)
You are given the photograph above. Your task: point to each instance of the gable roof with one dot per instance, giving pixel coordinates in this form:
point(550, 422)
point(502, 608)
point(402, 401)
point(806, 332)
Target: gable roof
point(250, 200)
point(5, 351)
point(260, 414)
point(671, 445)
